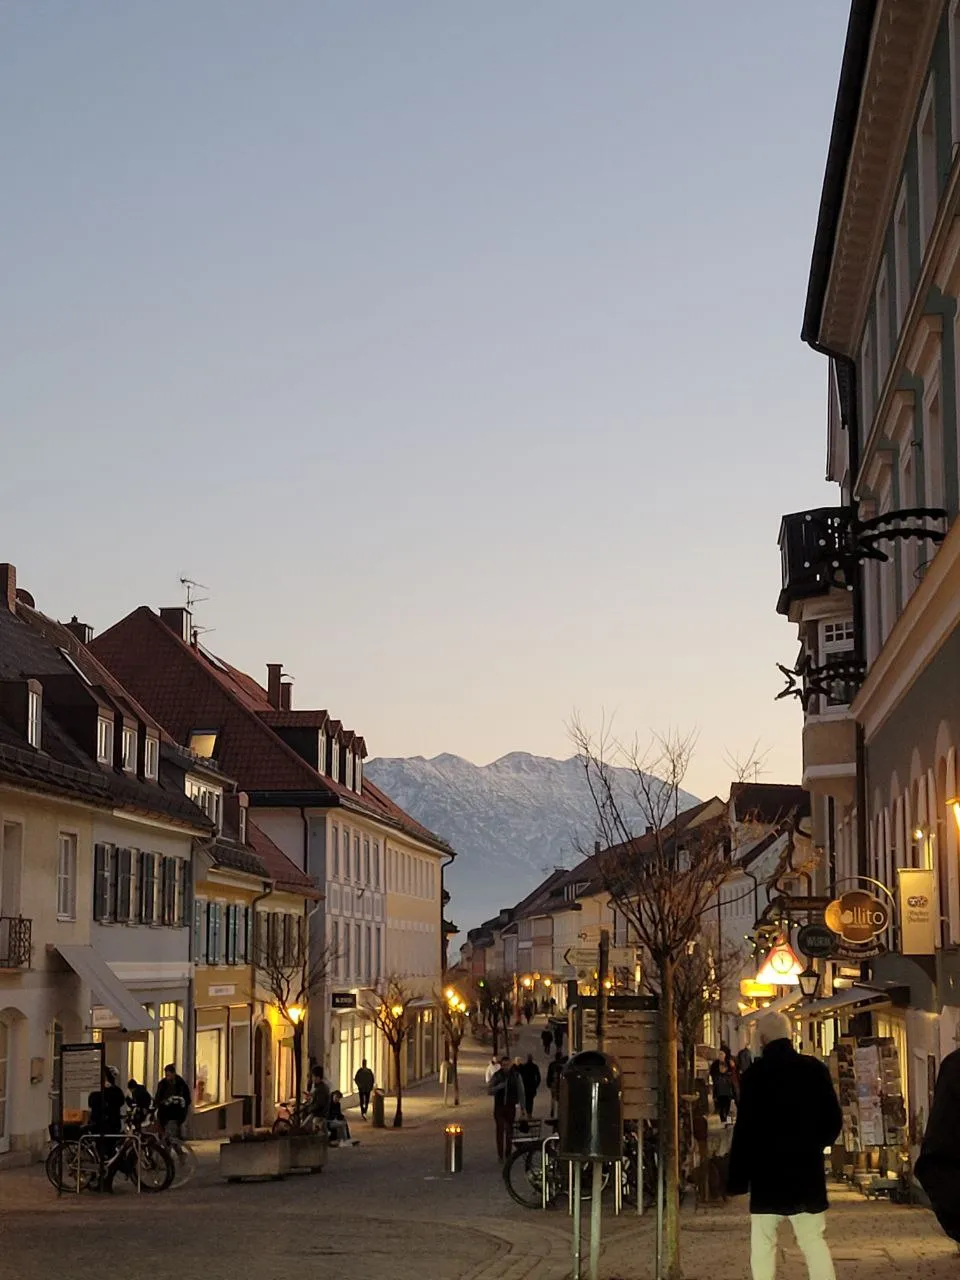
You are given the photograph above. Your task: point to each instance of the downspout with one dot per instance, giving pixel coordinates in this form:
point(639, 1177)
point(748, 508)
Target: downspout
point(443, 937)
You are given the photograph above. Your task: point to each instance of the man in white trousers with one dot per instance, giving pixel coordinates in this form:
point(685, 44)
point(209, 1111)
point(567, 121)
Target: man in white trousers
point(788, 1114)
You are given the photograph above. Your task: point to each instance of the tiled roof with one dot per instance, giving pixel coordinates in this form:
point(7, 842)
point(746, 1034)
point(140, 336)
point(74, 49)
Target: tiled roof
point(295, 719)
point(285, 874)
point(237, 857)
point(769, 802)
point(188, 688)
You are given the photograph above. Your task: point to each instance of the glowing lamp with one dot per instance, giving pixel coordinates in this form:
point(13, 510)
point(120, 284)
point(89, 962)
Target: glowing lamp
point(780, 968)
point(296, 1013)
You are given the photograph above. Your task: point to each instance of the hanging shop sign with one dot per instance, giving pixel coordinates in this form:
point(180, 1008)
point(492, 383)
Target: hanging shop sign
point(816, 941)
point(918, 911)
point(857, 916)
point(343, 1000)
point(780, 966)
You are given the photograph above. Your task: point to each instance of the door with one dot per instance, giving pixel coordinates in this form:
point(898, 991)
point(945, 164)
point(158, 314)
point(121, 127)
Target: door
point(4, 1077)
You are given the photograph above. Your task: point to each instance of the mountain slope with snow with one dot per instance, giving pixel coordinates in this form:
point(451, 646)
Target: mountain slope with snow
point(511, 822)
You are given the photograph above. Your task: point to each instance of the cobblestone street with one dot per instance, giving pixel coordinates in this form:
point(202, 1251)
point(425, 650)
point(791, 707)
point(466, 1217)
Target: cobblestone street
point(386, 1209)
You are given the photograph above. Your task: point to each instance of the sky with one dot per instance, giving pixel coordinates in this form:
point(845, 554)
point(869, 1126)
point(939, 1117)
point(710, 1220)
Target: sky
point(453, 346)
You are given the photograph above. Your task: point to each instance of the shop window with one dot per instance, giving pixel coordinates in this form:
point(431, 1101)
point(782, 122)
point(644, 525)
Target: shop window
point(208, 1089)
point(170, 1029)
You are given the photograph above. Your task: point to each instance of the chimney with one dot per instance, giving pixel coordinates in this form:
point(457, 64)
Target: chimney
point(274, 672)
point(596, 848)
point(8, 587)
point(286, 693)
point(81, 630)
point(180, 622)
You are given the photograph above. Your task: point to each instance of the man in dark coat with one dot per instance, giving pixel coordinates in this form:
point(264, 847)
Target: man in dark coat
point(938, 1169)
point(507, 1091)
point(788, 1114)
point(530, 1077)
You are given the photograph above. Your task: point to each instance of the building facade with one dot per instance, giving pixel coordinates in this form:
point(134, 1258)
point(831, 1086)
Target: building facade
point(873, 583)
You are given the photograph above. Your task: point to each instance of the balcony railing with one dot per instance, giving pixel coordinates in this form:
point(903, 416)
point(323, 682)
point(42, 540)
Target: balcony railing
point(14, 942)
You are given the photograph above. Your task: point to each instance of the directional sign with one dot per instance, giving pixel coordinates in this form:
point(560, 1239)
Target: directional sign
point(586, 958)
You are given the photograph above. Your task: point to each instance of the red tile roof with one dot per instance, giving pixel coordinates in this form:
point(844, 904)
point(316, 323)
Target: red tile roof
point(188, 688)
point(284, 873)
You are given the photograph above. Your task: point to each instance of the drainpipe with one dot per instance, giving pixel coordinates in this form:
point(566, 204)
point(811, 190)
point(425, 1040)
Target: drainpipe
point(443, 937)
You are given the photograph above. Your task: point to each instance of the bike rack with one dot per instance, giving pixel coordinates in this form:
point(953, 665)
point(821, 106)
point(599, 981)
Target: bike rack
point(543, 1167)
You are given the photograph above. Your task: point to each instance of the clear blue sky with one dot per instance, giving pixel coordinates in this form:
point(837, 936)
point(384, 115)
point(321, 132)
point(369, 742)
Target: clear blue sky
point(454, 346)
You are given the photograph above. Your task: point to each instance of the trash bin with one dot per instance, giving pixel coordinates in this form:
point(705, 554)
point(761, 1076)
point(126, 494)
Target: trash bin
point(453, 1148)
point(591, 1108)
point(376, 1102)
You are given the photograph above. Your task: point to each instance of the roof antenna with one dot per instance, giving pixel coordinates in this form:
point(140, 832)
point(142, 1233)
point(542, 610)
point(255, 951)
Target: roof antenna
point(190, 586)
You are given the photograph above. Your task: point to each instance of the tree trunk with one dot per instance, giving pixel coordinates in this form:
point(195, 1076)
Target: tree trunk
point(669, 1124)
point(456, 1074)
point(297, 1073)
point(398, 1114)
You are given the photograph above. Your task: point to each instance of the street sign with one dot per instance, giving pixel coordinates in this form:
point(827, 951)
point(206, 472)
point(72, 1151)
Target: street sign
point(816, 941)
point(583, 958)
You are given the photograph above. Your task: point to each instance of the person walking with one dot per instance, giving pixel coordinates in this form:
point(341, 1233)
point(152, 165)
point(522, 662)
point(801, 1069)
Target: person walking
point(938, 1168)
point(530, 1077)
point(558, 1035)
point(554, 1072)
point(493, 1066)
point(172, 1101)
point(364, 1080)
point(744, 1059)
point(788, 1113)
point(506, 1090)
point(546, 1039)
point(723, 1076)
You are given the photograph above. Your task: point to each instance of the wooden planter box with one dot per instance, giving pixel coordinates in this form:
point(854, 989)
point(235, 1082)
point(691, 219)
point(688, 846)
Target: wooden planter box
point(308, 1152)
point(270, 1159)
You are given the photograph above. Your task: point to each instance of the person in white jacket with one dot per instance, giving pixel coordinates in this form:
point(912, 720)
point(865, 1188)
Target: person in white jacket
point(493, 1066)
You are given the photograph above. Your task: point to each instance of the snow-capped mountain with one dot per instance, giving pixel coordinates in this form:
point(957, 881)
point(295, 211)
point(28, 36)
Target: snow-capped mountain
point(511, 822)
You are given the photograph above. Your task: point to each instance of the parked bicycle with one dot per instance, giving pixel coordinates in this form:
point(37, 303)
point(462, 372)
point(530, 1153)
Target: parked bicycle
point(182, 1154)
point(87, 1163)
point(536, 1177)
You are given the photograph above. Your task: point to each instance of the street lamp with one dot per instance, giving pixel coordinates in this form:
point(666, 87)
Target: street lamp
point(397, 1011)
point(809, 981)
point(295, 1013)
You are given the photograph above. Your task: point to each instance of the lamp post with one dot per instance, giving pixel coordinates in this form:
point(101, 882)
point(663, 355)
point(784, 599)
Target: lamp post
point(295, 1014)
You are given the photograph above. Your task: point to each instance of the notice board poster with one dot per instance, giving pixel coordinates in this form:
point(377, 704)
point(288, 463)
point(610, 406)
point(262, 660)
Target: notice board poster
point(866, 1073)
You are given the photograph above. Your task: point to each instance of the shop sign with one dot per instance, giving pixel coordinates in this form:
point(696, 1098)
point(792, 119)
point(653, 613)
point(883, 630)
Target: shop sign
point(343, 999)
point(918, 911)
point(854, 954)
point(816, 941)
point(223, 989)
point(857, 916)
point(780, 966)
point(104, 1019)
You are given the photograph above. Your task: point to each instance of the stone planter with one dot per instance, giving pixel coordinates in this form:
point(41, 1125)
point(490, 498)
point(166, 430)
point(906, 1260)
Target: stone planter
point(267, 1159)
point(308, 1152)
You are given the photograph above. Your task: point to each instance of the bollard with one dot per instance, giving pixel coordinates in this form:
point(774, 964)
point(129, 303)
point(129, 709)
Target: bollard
point(453, 1148)
point(376, 1102)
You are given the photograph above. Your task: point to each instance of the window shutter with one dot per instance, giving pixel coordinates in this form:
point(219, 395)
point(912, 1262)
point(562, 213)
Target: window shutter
point(184, 892)
point(199, 931)
point(169, 873)
point(100, 882)
point(274, 952)
point(231, 947)
point(148, 897)
point(123, 885)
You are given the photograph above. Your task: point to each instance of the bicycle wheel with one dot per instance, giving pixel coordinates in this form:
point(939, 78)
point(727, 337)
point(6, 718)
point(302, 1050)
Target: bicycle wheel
point(184, 1162)
point(154, 1166)
point(523, 1176)
point(80, 1166)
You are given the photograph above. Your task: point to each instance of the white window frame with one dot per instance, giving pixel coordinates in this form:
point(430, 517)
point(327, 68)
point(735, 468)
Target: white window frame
point(34, 710)
point(349, 778)
point(207, 798)
point(321, 752)
point(882, 321)
point(128, 748)
point(927, 165)
point(242, 824)
point(104, 740)
point(358, 773)
point(67, 847)
point(151, 758)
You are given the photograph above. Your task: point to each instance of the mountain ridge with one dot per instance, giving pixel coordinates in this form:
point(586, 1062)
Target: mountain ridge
point(511, 822)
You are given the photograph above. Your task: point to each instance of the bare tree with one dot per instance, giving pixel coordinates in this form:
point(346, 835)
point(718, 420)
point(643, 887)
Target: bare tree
point(389, 1011)
point(453, 1016)
point(292, 977)
point(495, 1000)
point(662, 880)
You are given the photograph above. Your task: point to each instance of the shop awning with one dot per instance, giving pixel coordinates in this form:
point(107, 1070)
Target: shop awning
point(94, 971)
point(849, 998)
point(775, 1006)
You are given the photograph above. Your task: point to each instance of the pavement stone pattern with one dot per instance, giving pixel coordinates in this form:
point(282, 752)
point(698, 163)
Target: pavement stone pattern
point(386, 1210)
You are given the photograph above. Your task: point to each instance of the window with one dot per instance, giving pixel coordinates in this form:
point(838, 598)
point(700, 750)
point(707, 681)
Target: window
point(230, 949)
point(241, 1077)
point(170, 1028)
point(336, 852)
point(357, 956)
point(208, 1087)
point(321, 753)
point(336, 957)
point(359, 773)
point(129, 748)
point(243, 824)
point(366, 861)
point(376, 865)
point(203, 742)
point(349, 777)
point(67, 877)
point(346, 950)
point(356, 856)
point(927, 157)
point(367, 953)
point(214, 933)
point(901, 255)
point(378, 958)
point(169, 877)
point(836, 637)
point(147, 878)
point(151, 758)
point(104, 740)
point(104, 883)
point(33, 718)
point(124, 885)
point(200, 930)
point(209, 799)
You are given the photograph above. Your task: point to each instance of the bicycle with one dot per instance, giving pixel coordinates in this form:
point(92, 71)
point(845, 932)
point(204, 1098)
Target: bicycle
point(184, 1157)
point(536, 1177)
point(81, 1163)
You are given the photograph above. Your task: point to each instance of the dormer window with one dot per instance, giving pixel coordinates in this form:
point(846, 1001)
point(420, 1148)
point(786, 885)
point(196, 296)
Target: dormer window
point(349, 778)
point(243, 824)
point(33, 718)
point(203, 742)
point(209, 799)
point(129, 749)
point(358, 774)
point(151, 758)
point(104, 740)
point(321, 753)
